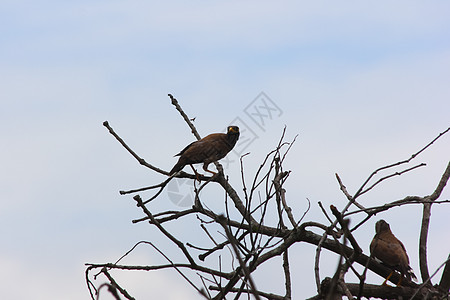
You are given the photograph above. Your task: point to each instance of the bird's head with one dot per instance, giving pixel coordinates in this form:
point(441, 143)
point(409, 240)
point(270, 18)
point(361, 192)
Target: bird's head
point(232, 129)
point(232, 135)
point(381, 226)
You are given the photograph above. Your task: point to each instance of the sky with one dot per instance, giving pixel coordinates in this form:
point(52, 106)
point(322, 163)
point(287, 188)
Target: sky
point(362, 84)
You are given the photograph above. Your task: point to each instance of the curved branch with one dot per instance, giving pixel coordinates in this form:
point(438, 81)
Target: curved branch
point(423, 261)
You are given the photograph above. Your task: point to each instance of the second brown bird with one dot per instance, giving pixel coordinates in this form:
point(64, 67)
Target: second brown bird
point(390, 250)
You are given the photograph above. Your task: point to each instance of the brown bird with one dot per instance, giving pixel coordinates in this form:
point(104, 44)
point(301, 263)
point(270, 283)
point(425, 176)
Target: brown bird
point(209, 149)
point(387, 248)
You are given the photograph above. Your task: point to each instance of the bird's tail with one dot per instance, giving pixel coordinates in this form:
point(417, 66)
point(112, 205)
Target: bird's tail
point(178, 166)
point(410, 273)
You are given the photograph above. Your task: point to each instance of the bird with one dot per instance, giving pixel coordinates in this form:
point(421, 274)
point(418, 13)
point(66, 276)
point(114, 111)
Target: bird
point(391, 251)
point(209, 149)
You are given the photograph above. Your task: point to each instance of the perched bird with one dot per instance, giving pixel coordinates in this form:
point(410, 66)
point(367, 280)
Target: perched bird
point(387, 248)
point(209, 149)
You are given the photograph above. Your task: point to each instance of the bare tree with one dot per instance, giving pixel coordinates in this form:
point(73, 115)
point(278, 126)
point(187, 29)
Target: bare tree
point(259, 225)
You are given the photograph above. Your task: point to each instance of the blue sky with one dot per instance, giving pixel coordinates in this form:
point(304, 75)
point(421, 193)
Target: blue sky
point(363, 84)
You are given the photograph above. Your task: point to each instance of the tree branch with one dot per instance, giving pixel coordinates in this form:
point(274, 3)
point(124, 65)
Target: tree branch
point(444, 284)
point(137, 157)
point(423, 261)
point(180, 245)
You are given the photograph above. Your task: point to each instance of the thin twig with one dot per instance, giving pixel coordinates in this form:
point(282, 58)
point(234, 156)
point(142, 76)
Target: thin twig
point(428, 281)
point(171, 265)
point(185, 117)
point(180, 245)
point(110, 288)
point(346, 193)
point(389, 176)
point(305, 212)
point(282, 194)
point(116, 285)
point(137, 157)
point(324, 212)
point(234, 244)
point(414, 155)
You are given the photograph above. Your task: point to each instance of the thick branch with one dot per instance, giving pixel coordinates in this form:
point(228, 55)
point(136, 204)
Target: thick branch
point(262, 294)
point(444, 285)
point(236, 199)
point(380, 291)
point(423, 261)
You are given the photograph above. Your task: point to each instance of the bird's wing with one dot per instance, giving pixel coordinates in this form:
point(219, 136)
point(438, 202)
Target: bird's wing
point(185, 148)
point(388, 251)
point(196, 152)
point(401, 244)
point(211, 148)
